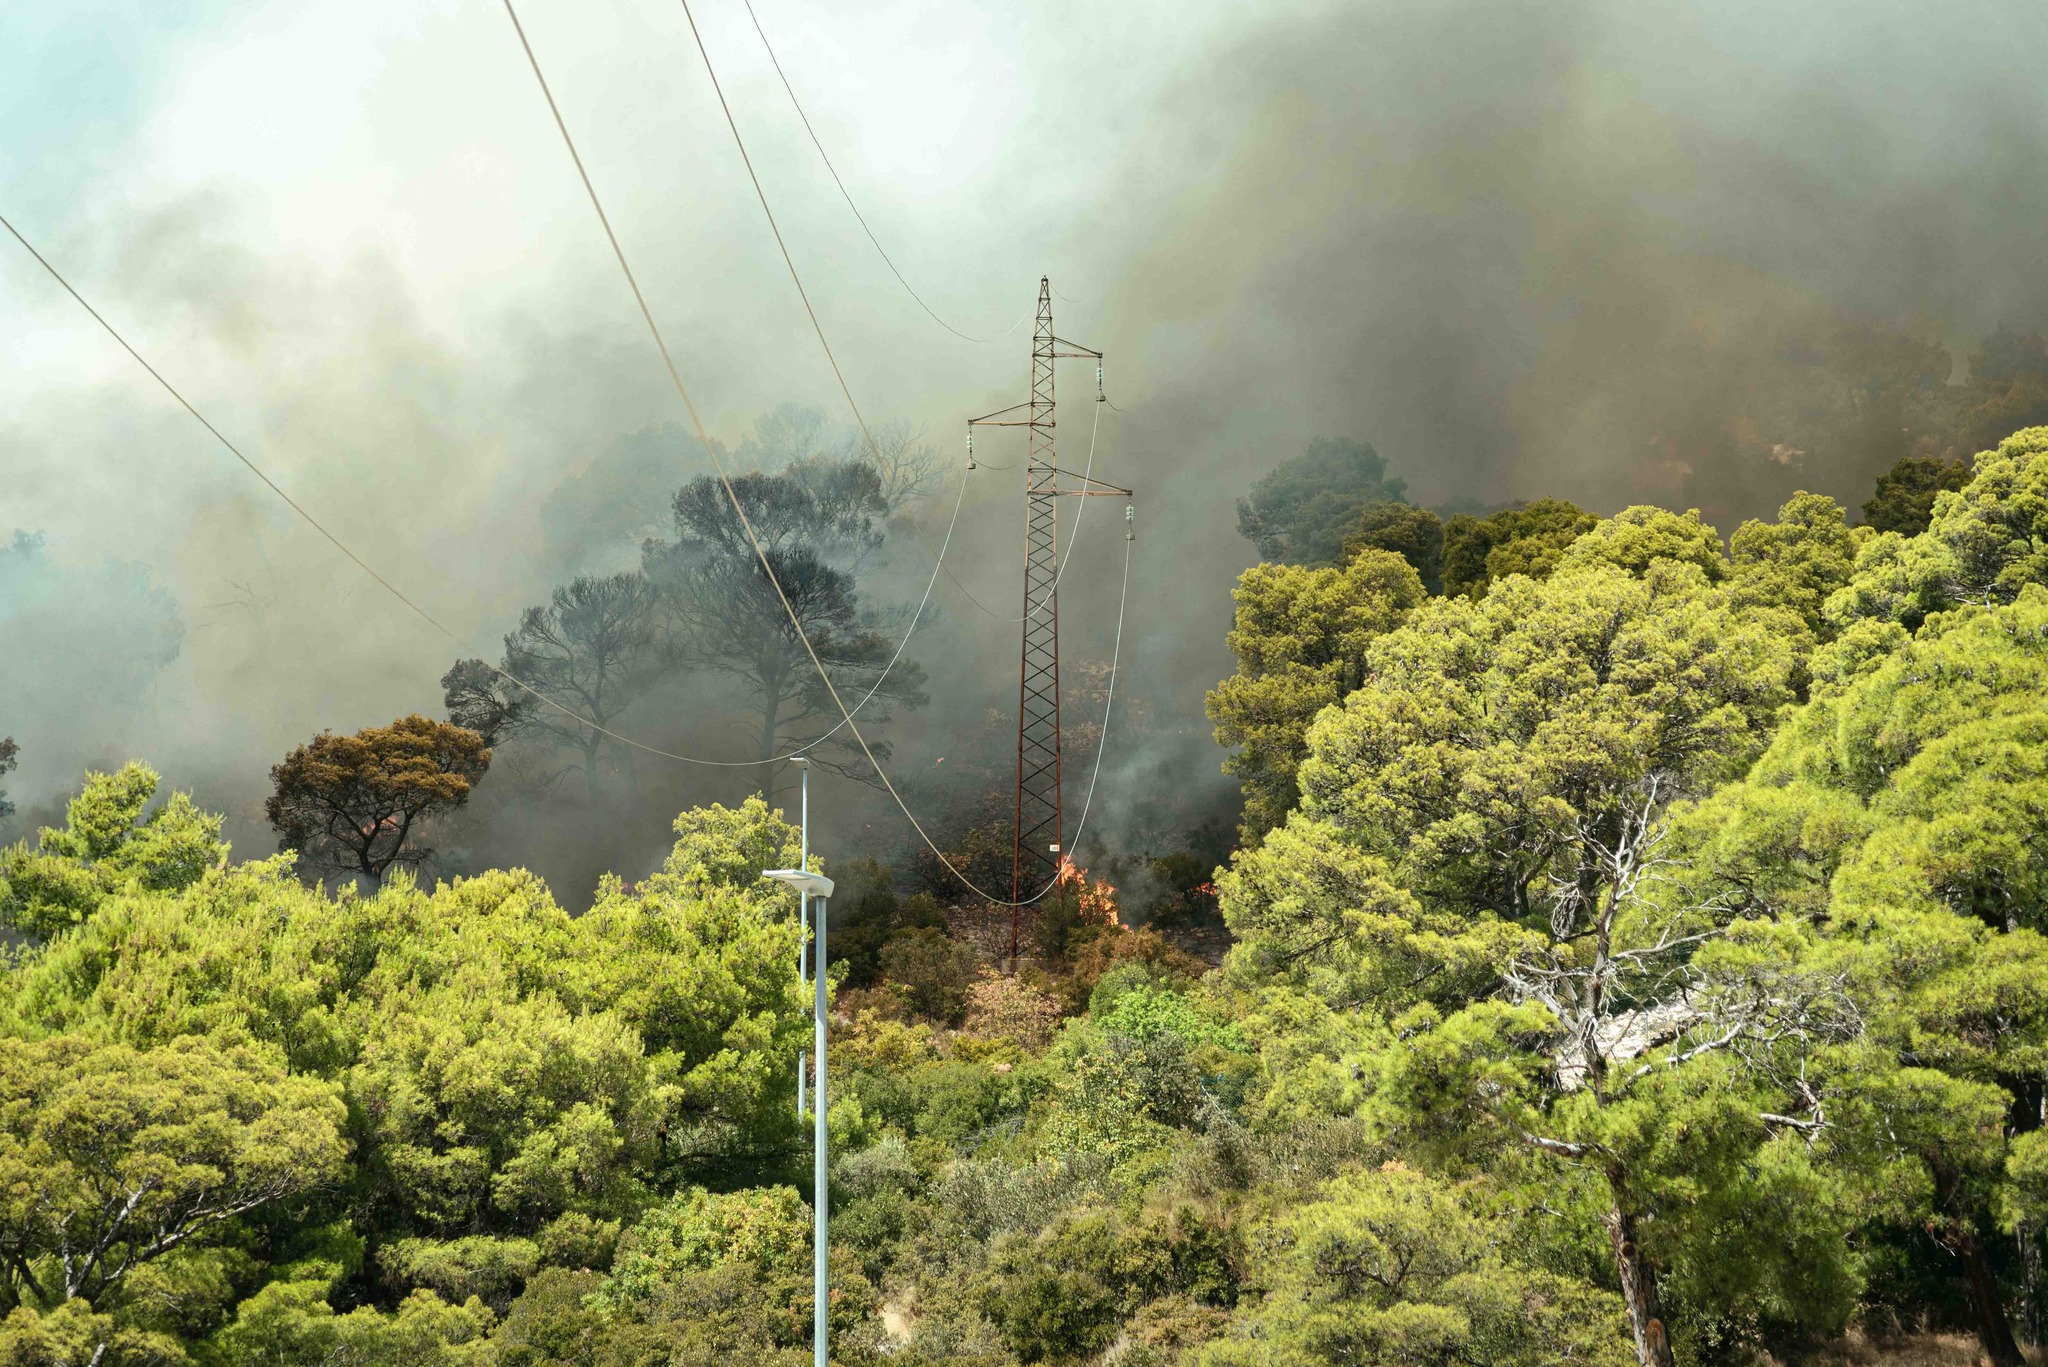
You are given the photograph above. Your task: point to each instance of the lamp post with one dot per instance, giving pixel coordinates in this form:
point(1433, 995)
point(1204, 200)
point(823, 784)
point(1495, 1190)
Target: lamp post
point(803, 909)
point(809, 885)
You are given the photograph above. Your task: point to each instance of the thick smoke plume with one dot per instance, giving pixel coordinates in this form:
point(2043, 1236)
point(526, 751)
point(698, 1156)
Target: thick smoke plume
point(1608, 252)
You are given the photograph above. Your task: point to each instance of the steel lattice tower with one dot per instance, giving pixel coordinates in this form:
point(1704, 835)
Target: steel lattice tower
point(1038, 849)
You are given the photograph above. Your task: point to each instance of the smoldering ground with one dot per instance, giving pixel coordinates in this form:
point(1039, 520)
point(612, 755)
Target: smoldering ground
point(1591, 250)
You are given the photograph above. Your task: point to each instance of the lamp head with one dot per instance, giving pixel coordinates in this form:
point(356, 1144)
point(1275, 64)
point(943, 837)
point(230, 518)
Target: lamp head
point(804, 881)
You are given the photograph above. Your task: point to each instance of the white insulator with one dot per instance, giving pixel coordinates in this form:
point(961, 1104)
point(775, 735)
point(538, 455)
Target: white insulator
point(1130, 522)
point(970, 448)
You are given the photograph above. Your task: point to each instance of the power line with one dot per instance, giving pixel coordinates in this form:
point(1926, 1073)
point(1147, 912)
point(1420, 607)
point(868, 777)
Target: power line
point(968, 594)
point(1115, 653)
point(420, 612)
point(796, 279)
point(929, 584)
point(859, 217)
point(773, 227)
point(332, 539)
point(233, 450)
point(703, 435)
point(788, 261)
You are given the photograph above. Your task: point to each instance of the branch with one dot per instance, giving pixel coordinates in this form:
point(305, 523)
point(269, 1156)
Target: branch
point(194, 1222)
point(1557, 1146)
point(1733, 1033)
point(75, 1280)
point(20, 1265)
point(1312, 947)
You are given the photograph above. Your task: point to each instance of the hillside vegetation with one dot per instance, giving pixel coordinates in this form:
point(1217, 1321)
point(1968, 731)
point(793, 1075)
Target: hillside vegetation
point(1638, 954)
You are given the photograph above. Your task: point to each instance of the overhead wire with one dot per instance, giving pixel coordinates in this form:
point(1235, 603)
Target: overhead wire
point(844, 194)
point(703, 435)
point(774, 228)
point(1115, 653)
point(767, 212)
point(783, 247)
point(332, 539)
point(789, 262)
point(1073, 533)
point(219, 436)
point(922, 603)
point(420, 612)
point(682, 391)
point(861, 218)
point(968, 593)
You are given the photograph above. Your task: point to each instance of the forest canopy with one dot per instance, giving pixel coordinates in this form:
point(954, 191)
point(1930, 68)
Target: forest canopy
point(1637, 952)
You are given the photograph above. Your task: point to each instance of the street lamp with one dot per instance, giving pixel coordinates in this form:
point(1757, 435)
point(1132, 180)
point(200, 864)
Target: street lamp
point(803, 908)
point(809, 885)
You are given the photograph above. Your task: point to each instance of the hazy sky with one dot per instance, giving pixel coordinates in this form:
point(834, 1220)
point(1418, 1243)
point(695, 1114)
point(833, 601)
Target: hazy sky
point(352, 236)
point(1481, 235)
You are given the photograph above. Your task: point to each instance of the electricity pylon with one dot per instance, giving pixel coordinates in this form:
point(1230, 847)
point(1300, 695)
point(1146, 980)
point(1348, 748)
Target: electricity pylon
point(1037, 850)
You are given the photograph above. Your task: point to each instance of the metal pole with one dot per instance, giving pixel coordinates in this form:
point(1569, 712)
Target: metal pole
point(820, 1195)
point(803, 900)
point(1036, 847)
point(818, 885)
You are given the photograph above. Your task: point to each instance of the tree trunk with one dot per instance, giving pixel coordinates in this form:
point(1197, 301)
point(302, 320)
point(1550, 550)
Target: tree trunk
point(590, 765)
point(1958, 1234)
point(2029, 1112)
point(1994, 1330)
point(770, 715)
point(1638, 1289)
point(2028, 1237)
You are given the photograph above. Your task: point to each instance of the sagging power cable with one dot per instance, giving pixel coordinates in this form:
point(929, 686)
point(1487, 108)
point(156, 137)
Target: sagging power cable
point(922, 603)
point(774, 229)
point(703, 435)
point(1115, 654)
point(1073, 533)
point(420, 612)
point(859, 217)
point(796, 278)
point(538, 695)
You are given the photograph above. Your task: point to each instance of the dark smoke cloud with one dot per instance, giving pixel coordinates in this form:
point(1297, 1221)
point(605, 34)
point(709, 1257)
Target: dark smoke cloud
point(1527, 249)
point(1610, 252)
point(1605, 251)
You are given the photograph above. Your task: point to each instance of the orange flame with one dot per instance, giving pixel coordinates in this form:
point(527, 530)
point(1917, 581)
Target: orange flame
point(1097, 900)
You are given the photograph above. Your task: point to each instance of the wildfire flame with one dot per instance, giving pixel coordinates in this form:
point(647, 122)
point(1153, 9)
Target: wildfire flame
point(1097, 900)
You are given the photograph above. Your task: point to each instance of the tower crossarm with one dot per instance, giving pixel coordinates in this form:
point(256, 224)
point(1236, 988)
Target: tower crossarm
point(1001, 417)
point(1100, 489)
point(1039, 861)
